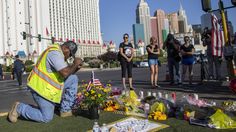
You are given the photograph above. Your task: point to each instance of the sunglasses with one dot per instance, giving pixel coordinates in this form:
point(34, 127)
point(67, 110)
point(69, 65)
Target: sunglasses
point(126, 37)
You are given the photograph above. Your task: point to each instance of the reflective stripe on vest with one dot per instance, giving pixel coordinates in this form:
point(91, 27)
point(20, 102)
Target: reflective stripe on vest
point(47, 79)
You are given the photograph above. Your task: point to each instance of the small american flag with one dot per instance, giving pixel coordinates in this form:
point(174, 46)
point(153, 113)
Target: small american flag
point(95, 82)
point(217, 40)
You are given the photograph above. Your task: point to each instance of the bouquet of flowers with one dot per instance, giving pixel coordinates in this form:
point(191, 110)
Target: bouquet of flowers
point(91, 94)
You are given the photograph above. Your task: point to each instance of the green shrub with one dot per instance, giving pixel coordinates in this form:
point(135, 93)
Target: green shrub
point(87, 59)
point(29, 68)
point(7, 68)
point(95, 63)
point(29, 62)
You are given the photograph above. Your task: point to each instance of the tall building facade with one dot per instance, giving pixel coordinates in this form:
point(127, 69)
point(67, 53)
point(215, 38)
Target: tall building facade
point(62, 19)
point(138, 33)
point(154, 31)
point(182, 20)
point(160, 15)
point(173, 22)
point(143, 17)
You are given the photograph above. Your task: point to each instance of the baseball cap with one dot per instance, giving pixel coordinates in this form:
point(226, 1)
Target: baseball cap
point(72, 46)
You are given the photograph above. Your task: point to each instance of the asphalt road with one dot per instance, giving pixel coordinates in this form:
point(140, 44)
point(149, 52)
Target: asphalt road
point(10, 92)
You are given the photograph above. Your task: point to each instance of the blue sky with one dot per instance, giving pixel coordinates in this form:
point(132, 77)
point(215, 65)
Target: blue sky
point(117, 16)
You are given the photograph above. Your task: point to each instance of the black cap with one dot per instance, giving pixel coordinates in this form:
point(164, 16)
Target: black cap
point(72, 46)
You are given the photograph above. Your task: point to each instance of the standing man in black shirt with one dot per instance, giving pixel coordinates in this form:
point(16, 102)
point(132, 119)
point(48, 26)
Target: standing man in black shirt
point(173, 49)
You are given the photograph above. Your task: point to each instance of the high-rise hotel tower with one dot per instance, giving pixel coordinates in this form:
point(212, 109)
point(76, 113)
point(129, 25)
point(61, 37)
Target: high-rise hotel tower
point(77, 20)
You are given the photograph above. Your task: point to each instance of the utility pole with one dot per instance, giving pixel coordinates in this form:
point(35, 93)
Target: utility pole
point(29, 27)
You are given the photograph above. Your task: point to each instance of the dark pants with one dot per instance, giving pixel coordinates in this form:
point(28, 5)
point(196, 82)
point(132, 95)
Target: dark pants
point(19, 78)
point(126, 65)
point(214, 62)
point(171, 65)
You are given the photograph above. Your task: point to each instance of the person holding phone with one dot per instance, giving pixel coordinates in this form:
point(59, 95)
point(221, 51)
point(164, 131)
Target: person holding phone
point(153, 51)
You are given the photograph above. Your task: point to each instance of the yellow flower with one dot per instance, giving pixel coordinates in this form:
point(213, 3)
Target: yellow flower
point(84, 90)
point(106, 90)
point(79, 94)
point(99, 95)
point(92, 92)
point(86, 94)
point(93, 98)
point(108, 85)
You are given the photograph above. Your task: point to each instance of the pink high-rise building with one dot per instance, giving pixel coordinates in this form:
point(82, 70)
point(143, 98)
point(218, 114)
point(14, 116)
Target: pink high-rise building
point(173, 20)
point(154, 31)
point(160, 15)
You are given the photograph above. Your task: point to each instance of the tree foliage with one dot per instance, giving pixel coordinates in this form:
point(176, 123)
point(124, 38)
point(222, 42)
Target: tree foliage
point(108, 56)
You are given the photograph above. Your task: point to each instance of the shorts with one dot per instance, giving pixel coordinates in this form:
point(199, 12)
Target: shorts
point(188, 61)
point(152, 62)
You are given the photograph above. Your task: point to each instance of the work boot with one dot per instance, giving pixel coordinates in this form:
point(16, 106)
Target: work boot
point(13, 115)
point(66, 114)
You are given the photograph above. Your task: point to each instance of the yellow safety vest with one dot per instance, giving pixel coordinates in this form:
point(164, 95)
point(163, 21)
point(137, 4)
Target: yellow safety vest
point(48, 85)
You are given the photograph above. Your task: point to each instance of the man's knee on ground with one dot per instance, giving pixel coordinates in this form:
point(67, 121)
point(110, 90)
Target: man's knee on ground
point(47, 119)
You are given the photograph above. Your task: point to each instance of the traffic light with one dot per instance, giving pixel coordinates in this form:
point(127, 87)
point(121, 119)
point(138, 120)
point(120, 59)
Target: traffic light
point(24, 35)
point(39, 37)
point(206, 5)
point(233, 2)
point(221, 5)
point(53, 39)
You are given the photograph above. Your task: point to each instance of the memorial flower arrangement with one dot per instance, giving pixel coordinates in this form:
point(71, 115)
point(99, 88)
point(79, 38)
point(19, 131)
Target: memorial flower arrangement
point(95, 95)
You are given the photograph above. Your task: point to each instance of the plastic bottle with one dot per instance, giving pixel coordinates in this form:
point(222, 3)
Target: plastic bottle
point(104, 128)
point(96, 127)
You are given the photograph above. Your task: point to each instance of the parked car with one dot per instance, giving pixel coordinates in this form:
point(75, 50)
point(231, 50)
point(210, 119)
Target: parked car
point(144, 64)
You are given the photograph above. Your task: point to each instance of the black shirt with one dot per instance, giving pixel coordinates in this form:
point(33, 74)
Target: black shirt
point(155, 49)
point(127, 49)
point(187, 49)
point(171, 51)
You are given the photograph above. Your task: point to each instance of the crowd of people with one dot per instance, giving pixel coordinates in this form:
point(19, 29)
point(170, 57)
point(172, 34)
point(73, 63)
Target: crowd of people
point(177, 54)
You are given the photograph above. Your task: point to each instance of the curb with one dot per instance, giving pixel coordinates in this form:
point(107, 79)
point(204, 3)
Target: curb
point(98, 69)
point(3, 114)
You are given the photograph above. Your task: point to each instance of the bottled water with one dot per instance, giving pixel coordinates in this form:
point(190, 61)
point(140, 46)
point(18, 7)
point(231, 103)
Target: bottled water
point(104, 128)
point(96, 127)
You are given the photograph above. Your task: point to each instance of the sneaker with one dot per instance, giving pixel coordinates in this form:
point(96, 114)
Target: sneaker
point(180, 84)
point(132, 88)
point(157, 86)
point(171, 83)
point(211, 78)
point(66, 114)
point(13, 115)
